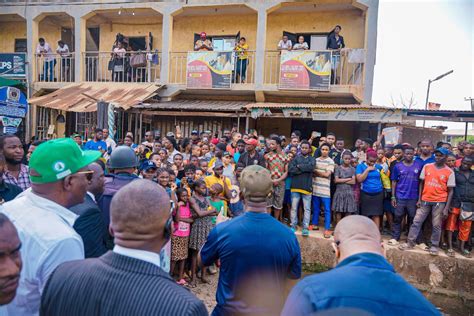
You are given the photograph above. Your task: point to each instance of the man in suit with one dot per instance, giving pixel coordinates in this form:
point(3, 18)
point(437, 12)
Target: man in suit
point(90, 224)
point(128, 280)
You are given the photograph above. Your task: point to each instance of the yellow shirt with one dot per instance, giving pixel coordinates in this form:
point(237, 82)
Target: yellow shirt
point(242, 51)
point(211, 180)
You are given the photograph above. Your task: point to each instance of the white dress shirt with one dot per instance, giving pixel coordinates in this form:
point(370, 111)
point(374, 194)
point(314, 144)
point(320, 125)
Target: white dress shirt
point(48, 239)
point(143, 255)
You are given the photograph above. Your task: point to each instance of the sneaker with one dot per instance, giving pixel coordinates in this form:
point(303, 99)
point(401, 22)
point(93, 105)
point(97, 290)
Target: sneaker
point(293, 229)
point(305, 232)
point(313, 227)
point(423, 246)
point(212, 270)
point(327, 234)
point(406, 246)
point(393, 242)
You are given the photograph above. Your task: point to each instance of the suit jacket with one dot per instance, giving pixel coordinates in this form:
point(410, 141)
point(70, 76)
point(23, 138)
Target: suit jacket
point(116, 285)
point(91, 227)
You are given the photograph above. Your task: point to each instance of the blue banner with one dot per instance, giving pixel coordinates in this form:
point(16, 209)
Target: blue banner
point(13, 102)
point(13, 65)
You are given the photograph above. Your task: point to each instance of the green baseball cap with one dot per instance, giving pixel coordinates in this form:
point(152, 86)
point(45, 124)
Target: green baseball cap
point(56, 159)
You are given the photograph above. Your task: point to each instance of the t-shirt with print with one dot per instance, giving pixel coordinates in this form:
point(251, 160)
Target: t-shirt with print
point(373, 183)
point(276, 163)
point(407, 178)
point(436, 183)
point(322, 186)
point(220, 208)
point(182, 229)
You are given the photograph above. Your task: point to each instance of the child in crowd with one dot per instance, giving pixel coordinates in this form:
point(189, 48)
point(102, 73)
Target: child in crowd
point(451, 161)
point(236, 205)
point(287, 199)
point(199, 175)
point(215, 200)
point(344, 202)
point(202, 225)
point(182, 219)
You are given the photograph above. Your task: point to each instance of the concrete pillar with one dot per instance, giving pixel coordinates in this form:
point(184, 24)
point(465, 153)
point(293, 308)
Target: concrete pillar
point(370, 47)
point(166, 40)
point(32, 36)
point(260, 49)
point(79, 46)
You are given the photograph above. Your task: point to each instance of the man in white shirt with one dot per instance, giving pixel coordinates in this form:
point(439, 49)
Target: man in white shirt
point(47, 56)
point(59, 178)
point(111, 144)
point(285, 43)
point(63, 51)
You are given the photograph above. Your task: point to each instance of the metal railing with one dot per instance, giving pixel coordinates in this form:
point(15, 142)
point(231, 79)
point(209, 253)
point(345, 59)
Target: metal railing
point(130, 67)
point(54, 67)
point(243, 72)
point(347, 69)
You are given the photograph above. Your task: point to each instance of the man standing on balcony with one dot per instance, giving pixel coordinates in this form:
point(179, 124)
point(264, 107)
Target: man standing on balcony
point(285, 43)
point(335, 43)
point(46, 54)
point(203, 43)
point(63, 51)
point(241, 50)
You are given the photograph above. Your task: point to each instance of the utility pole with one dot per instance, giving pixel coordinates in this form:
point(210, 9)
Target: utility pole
point(467, 123)
point(428, 90)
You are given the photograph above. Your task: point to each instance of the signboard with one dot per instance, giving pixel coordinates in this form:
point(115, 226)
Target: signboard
point(209, 70)
point(372, 115)
point(391, 135)
point(13, 65)
point(13, 102)
point(305, 70)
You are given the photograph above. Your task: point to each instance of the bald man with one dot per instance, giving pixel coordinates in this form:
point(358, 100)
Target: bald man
point(128, 280)
point(362, 279)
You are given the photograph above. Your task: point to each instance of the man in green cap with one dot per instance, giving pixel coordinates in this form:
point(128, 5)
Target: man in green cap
point(59, 176)
point(257, 253)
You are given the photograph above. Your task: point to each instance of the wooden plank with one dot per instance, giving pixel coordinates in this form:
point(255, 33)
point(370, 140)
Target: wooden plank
point(179, 113)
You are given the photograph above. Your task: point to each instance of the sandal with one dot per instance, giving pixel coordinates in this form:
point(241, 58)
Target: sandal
point(450, 253)
point(327, 234)
point(182, 282)
point(466, 253)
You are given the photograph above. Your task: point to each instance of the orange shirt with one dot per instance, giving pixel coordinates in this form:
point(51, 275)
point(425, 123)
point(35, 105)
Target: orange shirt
point(436, 183)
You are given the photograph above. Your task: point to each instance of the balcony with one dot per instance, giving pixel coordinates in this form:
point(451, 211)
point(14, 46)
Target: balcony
point(54, 67)
point(141, 66)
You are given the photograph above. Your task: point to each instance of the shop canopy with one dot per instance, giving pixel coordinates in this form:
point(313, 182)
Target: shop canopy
point(83, 97)
point(5, 82)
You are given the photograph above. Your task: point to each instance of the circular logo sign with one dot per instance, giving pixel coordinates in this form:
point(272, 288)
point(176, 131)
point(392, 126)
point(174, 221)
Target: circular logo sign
point(59, 166)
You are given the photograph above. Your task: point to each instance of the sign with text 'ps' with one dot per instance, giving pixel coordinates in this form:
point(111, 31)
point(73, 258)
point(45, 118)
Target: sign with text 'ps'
point(13, 65)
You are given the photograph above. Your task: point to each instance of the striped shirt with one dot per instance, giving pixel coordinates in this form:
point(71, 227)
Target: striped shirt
point(322, 186)
point(23, 180)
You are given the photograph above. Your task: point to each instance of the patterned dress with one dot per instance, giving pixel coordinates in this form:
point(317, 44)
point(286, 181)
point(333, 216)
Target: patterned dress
point(201, 226)
point(344, 200)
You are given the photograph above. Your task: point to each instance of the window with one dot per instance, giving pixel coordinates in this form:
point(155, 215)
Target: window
point(223, 43)
point(20, 45)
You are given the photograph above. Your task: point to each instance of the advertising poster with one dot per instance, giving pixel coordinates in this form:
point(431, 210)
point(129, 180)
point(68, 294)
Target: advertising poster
point(367, 115)
point(305, 70)
point(209, 70)
point(13, 108)
point(13, 65)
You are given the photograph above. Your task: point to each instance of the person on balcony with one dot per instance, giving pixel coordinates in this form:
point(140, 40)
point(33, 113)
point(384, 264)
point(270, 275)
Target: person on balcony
point(203, 44)
point(301, 45)
point(335, 43)
point(43, 50)
point(118, 55)
point(285, 43)
point(241, 51)
point(63, 51)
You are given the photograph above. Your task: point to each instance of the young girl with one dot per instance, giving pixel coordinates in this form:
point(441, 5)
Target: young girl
point(182, 219)
point(216, 202)
point(344, 202)
point(202, 225)
point(163, 179)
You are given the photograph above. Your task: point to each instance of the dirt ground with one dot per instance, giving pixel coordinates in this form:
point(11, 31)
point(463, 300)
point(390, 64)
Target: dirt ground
point(207, 292)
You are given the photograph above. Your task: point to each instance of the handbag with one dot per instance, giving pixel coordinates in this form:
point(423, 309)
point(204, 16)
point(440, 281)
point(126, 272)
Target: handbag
point(467, 213)
point(111, 64)
point(138, 60)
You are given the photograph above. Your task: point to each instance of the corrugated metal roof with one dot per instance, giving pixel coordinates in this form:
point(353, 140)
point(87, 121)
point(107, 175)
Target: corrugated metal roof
point(260, 105)
point(197, 105)
point(83, 97)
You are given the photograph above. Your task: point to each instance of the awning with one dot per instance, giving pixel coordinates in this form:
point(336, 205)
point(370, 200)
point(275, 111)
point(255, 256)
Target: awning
point(83, 97)
point(6, 82)
point(263, 105)
point(197, 105)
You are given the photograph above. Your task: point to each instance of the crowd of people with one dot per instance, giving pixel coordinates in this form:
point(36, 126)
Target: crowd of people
point(183, 208)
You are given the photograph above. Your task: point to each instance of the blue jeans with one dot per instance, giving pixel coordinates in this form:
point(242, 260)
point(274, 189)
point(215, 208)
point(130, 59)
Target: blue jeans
point(295, 202)
point(436, 210)
point(48, 70)
point(241, 69)
point(327, 211)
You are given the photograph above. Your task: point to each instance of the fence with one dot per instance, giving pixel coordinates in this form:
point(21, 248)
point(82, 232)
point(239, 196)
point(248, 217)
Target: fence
point(130, 67)
point(54, 67)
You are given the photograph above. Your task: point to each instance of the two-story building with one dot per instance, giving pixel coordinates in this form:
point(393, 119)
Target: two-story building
point(155, 80)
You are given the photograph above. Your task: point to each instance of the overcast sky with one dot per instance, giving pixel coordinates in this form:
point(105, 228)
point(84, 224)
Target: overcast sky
point(420, 40)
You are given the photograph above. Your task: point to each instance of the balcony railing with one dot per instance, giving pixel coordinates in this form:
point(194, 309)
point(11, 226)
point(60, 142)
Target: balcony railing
point(130, 67)
point(243, 72)
point(348, 69)
point(54, 67)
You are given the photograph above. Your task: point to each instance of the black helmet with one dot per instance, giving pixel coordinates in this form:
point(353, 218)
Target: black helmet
point(123, 157)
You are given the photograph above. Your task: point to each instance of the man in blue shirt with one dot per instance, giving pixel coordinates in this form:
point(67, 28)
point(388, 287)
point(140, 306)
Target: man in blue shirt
point(426, 152)
point(363, 279)
point(97, 143)
point(257, 253)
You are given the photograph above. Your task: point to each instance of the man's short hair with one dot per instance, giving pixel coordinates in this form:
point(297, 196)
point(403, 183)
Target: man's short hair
point(241, 141)
point(398, 146)
point(339, 139)
point(189, 167)
point(330, 134)
point(5, 137)
point(277, 140)
point(406, 148)
point(97, 130)
point(297, 133)
point(304, 141)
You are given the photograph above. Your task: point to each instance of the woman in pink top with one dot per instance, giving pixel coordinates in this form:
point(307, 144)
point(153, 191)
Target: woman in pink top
point(181, 229)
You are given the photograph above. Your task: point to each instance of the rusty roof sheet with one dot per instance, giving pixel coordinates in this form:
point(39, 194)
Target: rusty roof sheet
point(260, 105)
point(83, 97)
point(197, 105)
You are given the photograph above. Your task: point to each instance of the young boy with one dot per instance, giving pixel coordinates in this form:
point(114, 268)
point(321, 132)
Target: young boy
point(301, 170)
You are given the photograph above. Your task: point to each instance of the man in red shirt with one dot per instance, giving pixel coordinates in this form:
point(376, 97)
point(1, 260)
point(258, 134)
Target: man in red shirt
point(436, 191)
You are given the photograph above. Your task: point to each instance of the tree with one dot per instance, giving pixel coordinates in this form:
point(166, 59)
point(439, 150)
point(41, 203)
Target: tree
point(406, 103)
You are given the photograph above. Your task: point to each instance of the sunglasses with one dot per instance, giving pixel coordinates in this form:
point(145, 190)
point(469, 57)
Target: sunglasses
point(89, 174)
